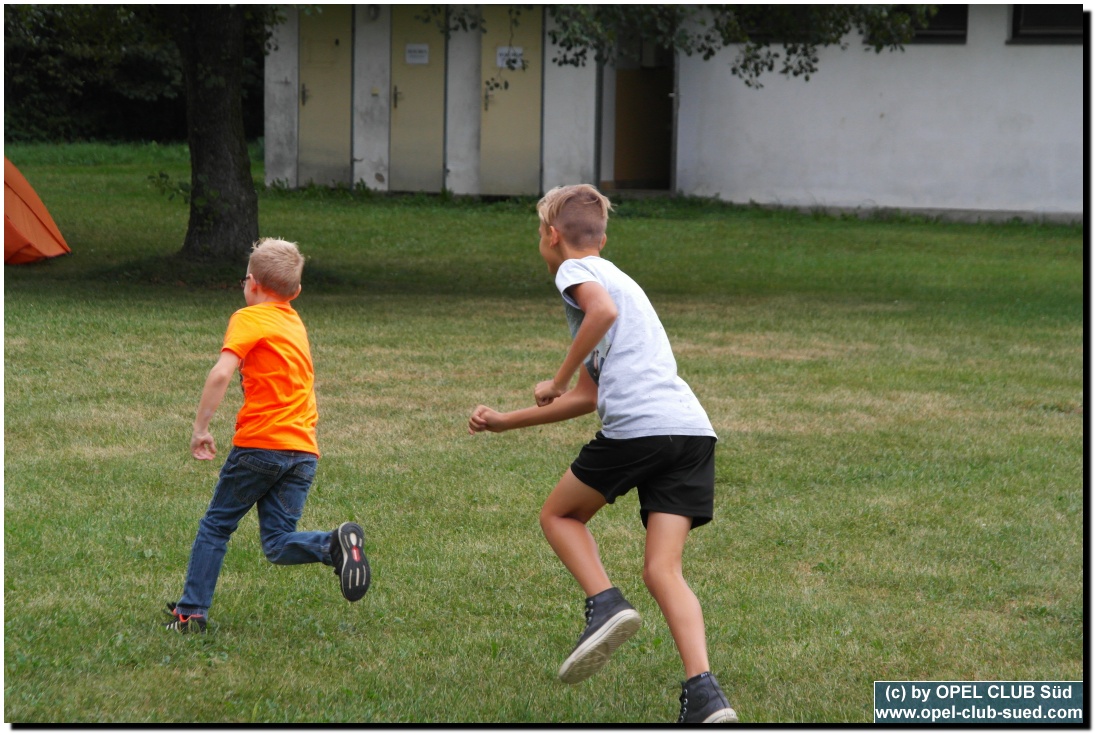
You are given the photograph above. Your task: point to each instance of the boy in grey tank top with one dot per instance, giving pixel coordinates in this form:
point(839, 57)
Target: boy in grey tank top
point(655, 437)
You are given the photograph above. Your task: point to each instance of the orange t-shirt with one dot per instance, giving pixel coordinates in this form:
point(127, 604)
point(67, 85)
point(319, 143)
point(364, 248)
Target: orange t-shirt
point(279, 399)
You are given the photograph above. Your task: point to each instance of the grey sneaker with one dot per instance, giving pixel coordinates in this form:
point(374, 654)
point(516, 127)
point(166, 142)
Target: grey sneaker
point(610, 620)
point(702, 701)
point(351, 566)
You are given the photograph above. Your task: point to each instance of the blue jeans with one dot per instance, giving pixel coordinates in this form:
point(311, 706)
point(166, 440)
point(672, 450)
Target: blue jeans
point(276, 481)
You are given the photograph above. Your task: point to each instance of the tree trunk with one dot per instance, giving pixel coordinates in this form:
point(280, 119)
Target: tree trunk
point(224, 214)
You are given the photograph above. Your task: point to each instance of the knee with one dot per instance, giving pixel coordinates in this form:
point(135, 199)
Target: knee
point(656, 576)
point(215, 528)
point(276, 558)
point(551, 518)
point(650, 576)
point(547, 518)
point(551, 514)
point(272, 548)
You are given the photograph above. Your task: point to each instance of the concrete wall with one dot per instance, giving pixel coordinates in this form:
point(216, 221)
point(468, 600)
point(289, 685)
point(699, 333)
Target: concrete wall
point(607, 152)
point(281, 82)
point(980, 126)
point(371, 95)
point(570, 143)
point(463, 102)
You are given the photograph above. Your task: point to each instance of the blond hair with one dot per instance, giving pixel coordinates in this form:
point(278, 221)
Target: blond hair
point(579, 212)
point(276, 265)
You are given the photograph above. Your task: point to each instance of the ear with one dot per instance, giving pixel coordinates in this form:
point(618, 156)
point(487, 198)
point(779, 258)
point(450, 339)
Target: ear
point(604, 239)
point(555, 235)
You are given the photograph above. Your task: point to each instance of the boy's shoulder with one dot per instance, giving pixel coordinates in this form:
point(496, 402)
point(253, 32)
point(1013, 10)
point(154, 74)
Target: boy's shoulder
point(605, 270)
point(267, 310)
point(587, 263)
point(267, 317)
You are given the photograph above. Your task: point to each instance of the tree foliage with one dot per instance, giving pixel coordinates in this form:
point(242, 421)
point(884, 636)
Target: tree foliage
point(103, 72)
point(767, 37)
point(88, 71)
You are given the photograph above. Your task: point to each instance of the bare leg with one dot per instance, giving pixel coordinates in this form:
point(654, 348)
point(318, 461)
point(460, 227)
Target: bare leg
point(563, 518)
point(663, 575)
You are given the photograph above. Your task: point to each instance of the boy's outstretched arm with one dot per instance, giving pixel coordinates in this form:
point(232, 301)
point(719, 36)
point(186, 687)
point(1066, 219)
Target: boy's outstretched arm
point(578, 402)
point(202, 445)
point(600, 314)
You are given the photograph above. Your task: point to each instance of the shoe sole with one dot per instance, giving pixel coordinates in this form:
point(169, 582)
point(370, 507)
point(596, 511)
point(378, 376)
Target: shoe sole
point(723, 715)
point(355, 576)
point(588, 658)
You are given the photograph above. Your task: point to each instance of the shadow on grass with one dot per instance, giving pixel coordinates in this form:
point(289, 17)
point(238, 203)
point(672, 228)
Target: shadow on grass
point(173, 271)
point(169, 270)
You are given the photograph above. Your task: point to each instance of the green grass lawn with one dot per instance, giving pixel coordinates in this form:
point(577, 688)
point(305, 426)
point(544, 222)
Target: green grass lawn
point(899, 480)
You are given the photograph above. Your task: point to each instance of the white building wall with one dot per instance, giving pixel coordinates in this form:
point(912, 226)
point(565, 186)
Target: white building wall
point(570, 121)
point(608, 124)
point(463, 102)
point(981, 126)
point(281, 81)
point(371, 95)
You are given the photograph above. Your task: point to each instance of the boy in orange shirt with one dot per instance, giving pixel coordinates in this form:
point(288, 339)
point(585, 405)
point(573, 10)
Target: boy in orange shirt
point(274, 453)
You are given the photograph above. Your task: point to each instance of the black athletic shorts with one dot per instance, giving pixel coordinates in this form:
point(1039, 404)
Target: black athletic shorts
point(674, 474)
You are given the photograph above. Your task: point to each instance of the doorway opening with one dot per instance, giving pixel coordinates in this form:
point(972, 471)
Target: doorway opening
point(638, 119)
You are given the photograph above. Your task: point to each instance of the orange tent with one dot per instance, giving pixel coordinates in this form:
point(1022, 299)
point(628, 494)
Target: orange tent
point(30, 234)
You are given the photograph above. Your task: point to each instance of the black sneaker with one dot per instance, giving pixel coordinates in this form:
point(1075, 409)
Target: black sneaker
point(610, 620)
point(351, 566)
point(186, 623)
point(702, 701)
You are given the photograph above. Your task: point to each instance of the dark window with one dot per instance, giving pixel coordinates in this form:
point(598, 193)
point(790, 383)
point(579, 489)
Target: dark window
point(776, 24)
point(948, 25)
point(1047, 24)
